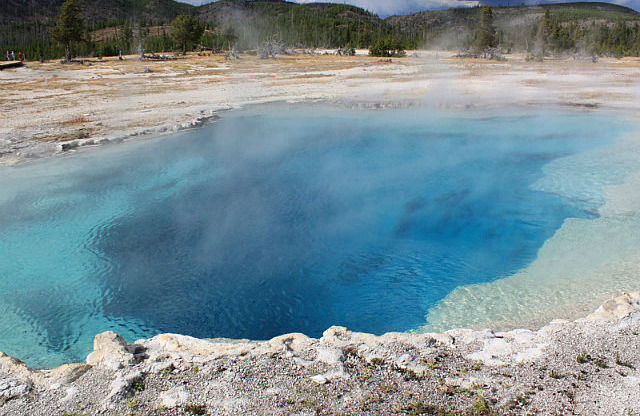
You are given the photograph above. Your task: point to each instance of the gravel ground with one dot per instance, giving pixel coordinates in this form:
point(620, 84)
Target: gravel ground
point(587, 367)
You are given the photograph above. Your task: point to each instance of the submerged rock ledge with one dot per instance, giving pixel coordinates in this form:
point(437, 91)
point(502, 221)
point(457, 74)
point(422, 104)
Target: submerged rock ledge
point(589, 366)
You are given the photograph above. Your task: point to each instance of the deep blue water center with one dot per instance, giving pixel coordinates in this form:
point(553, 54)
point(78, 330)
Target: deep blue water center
point(278, 219)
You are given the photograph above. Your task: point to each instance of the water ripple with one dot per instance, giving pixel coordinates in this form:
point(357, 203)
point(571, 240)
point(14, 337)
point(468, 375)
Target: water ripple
point(275, 221)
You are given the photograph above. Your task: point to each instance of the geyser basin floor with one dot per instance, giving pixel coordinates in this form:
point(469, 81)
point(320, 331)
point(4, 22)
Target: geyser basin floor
point(294, 218)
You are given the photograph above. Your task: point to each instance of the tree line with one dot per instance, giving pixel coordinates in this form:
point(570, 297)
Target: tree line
point(559, 32)
point(331, 26)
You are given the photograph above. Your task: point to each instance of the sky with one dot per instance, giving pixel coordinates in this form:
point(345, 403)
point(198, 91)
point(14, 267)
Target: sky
point(385, 8)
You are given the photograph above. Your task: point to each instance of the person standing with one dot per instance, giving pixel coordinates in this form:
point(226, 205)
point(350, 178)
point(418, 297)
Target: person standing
point(8, 56)
point(13, 56)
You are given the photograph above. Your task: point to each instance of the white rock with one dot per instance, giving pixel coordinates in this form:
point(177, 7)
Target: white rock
point(371, 353)
point(319, 379)
point(463, 383)
point(14, 366)
point(121, 388)
point(632, 381)
point(337, 336)
point(67, 373)
point(619, 306)
point(290, 342)
point(336, 374)
point(174, 397)
point(519, 345)
point(110, 350)
point(10, 389)
point(404, 361)
point(71, 392)
point(160, 367)
point(329, 355)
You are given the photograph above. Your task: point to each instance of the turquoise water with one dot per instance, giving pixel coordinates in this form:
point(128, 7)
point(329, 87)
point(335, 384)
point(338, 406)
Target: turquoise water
point(279, 219)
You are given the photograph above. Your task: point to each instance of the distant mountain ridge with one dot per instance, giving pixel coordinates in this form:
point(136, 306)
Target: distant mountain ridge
point(581, 11)
point(585, 5)
point(44, 11)
point(241, 12)
point(511, 20)
point(551, 3)
point(21, 11)
point(384, 8)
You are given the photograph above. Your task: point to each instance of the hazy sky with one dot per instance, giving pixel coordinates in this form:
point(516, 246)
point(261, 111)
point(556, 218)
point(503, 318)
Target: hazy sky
point(385, 8)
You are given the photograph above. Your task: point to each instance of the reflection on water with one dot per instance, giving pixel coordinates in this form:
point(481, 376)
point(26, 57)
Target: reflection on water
point(275, 220)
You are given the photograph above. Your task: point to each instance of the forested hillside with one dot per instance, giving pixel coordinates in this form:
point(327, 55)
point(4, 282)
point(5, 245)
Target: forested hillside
point(304, 25)
point(94, 11)
point(113, 26)
point(24, 24)
point(585, 28)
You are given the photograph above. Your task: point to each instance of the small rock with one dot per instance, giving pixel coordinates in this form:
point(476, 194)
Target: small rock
point(69, 145)
point(290, 342)
point(14, 366)
point(121, 388)
point(68, 373)
point(337, 335)
point(319, 379)
point(619, 306)
point(336, 374)
point(71, 392)
point(160, 367)
point(110, 350)
point(404, 361)
point(329, 355)
point(11, 389)
point(175, 397)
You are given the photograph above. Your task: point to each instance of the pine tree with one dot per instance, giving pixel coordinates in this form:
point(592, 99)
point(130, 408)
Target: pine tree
point(69, 27)
point(545, 33)
point(485, 37)
point(186, 29)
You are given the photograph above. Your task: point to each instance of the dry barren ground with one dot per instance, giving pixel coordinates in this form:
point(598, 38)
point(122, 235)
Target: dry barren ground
point(46, 104)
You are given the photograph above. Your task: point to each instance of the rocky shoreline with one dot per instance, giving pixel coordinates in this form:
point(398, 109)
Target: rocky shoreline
point(589, 366)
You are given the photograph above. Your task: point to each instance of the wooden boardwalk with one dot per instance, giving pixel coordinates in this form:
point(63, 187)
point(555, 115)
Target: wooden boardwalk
point(10, 64)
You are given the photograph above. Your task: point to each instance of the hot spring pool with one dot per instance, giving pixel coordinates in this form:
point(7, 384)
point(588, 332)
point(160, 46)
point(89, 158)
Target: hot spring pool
point(291, 218)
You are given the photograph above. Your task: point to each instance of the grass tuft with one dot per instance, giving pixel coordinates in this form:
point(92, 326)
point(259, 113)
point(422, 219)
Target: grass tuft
point(583, 358)
point(624, 363)
point(480, 407)
point(196, 409)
